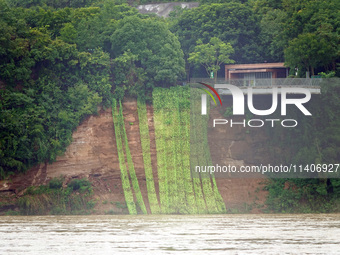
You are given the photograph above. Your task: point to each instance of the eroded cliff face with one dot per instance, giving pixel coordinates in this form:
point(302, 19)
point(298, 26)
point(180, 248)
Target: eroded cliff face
point(93, 155)
point(238, 146)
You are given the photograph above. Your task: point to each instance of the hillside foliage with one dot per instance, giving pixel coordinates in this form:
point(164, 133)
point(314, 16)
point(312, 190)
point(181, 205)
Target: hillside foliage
point(62, 60)
point(57, 65)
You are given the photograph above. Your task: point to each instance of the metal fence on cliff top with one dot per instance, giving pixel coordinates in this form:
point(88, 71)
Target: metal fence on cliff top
point(280, 82)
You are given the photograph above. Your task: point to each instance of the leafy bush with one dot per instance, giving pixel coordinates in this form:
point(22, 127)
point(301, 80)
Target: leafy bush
point(120, 205)
point(56, 183)
point(53, 199)
point(228, 112)
point(80, 184)
point(302, 196)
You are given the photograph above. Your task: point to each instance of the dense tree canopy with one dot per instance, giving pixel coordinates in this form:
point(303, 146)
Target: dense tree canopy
point(231, 22)
point(212, 55)
point(157, 52)
point(51, 3)
point(261, 30)
point(308, 51)
point(47, 87)
point(286, 23)
point(58, 65)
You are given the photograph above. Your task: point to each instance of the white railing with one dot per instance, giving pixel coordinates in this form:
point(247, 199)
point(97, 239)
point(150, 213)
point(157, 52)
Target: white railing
point(207, 80)
point(280, 82)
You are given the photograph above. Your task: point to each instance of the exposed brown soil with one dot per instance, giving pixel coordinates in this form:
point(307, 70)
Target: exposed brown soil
point(93, 155)
point(153, 152)
point(234, 146)
point(132, 131)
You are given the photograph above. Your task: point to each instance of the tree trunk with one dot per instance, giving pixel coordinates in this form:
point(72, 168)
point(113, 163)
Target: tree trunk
point(188, 71)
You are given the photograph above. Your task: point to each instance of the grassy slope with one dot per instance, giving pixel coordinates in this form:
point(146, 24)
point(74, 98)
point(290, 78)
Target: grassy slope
point(120, 133)
point(145, 142)
point(181, 143)
point(131, 167)
point(122, 163)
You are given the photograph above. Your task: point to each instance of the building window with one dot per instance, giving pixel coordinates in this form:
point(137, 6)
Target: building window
point(250, 78)
point(267, 75)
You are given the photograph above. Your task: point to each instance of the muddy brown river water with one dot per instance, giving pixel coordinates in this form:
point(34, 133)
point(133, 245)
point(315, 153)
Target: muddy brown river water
point(164, 234)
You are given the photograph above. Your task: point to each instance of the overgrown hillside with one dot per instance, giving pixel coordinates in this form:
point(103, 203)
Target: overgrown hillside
point(179, 193)
point(62, 60)
point(57, 66)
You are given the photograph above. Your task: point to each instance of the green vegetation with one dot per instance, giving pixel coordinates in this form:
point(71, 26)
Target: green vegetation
point(170, 119)
point(51, 3)
point(196, 149)
point(54, 199)
point(130, 164)
point(118, 126)
point(316, 141)
point(212, 55)
point(136, 2)
point(120, 205)
point(145, 141)
point(200, 156)
point(120, 134)
point(60, 60)
point(179, 192)
point(146, 55)
point(158, 99)
point(185, 125)
point(303, 196)
point(240, 29)
point(265, 31)
point(80, 185)
point(58, 65)
point(307, 51)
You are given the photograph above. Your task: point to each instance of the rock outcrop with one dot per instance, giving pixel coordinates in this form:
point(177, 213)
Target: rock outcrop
point(164, 9)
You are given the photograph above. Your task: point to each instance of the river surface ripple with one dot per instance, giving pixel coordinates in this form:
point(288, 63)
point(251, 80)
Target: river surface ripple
point(169, 234)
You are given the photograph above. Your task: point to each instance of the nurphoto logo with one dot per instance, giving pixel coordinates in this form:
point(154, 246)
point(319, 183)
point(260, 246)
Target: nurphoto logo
point(238, 104)
point(204, 98)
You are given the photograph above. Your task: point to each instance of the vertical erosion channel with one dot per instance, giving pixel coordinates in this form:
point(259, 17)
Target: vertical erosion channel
point(181, 144)
point(120, 133)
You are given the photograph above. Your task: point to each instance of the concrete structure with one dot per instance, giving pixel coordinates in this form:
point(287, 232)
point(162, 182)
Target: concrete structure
point(261, 77)
point(251, 72)
point(264, 86)
point(260, 91)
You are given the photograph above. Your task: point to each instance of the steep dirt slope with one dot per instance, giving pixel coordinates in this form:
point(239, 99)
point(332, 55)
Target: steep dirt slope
point(236, 146)
point(93, 155)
